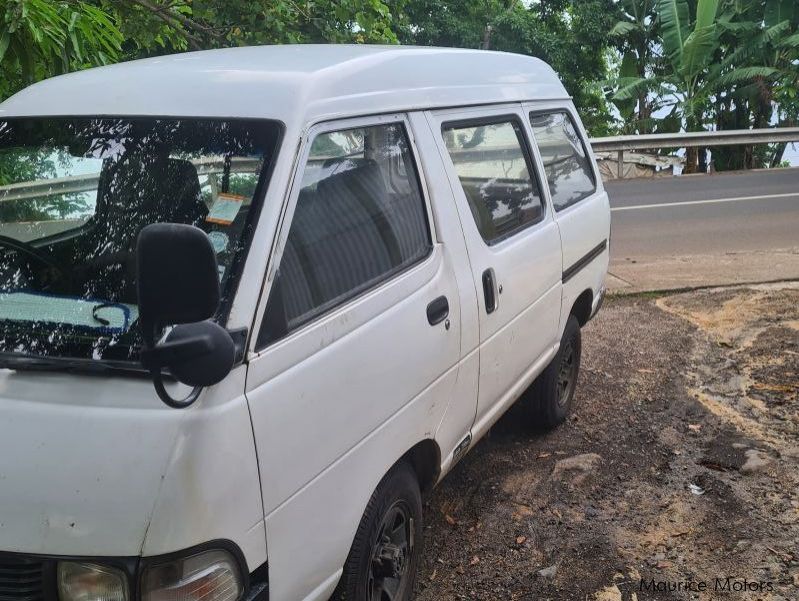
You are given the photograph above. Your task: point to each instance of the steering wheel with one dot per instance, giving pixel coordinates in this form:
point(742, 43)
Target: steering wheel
point(31, 251)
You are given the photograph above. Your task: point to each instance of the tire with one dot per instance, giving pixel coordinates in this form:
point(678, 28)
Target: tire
point(549, 398)
point(382, 567)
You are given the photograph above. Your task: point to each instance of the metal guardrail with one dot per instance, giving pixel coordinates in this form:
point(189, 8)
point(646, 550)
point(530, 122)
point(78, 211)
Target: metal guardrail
point(89, 183)
point(619, 144)
point(729, 137)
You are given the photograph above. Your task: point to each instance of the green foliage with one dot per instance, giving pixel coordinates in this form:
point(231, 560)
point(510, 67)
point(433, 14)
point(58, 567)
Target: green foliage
point(153, 25)
point(758, 75)
point(721, 63)
point(632, 66)
point(41, 38)
point(571, 35)
point(636, 89)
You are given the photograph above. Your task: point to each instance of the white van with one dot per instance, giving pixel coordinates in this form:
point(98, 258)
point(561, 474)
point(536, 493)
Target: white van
point(254, 302)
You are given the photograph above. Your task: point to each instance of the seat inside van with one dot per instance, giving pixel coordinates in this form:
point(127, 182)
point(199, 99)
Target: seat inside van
point(348, 230)
point(132, 194)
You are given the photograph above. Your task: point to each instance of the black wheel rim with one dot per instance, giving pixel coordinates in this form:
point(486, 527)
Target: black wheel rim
point(391, 555)
point(566, 373)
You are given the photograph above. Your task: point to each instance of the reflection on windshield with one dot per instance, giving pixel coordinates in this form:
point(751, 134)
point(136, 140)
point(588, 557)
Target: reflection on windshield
point(74, 194)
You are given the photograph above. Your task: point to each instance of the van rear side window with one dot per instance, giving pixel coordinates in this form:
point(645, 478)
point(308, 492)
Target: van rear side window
point(494, 168)
point(565, 157)
point(360, 219)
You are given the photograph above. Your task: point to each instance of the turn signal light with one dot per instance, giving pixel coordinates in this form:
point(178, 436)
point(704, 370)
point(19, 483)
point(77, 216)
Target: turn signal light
point(207, 576)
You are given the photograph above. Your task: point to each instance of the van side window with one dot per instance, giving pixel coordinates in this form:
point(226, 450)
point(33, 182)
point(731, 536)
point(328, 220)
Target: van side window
point(565, 157)
point(360, 219)
point(494, 168)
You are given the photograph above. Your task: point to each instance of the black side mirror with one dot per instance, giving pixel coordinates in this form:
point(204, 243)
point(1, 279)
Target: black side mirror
point(178, 285)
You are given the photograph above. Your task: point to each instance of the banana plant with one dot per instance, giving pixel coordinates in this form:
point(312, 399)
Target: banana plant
point(689, 48)
point(692, 73)
point(634, 36)
point(760, 41)
point(763, 42)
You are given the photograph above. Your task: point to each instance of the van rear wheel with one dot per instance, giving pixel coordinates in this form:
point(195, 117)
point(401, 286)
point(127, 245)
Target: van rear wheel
point(549, 398)
point(385, 554)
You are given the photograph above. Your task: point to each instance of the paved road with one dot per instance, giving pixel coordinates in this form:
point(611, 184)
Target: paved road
point(693, 215)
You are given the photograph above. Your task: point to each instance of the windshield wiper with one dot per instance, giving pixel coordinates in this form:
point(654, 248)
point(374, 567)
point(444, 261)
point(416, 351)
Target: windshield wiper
point(61, 364)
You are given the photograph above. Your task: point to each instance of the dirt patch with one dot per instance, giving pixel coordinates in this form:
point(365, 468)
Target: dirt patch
point(678, 465)
point(745, 365)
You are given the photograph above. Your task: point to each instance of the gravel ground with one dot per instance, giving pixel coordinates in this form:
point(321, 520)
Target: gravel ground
point(677, 467)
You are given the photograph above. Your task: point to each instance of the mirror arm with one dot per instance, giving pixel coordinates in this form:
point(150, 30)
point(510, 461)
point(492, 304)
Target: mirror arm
point(155, 356)
point(158, 382)
point(239, 336)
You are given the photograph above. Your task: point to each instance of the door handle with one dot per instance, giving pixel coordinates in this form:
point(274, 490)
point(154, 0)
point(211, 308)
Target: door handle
point(437, 310)
point(489, 290)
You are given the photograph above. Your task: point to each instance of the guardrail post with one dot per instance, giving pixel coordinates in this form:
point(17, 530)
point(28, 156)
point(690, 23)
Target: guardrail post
point(620, 159)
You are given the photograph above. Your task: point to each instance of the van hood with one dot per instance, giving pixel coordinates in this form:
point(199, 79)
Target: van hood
point(82, 459)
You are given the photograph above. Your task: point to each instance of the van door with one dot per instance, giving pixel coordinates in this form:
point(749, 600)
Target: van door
point(358, 348)
point(513, 245)
point(581, 206)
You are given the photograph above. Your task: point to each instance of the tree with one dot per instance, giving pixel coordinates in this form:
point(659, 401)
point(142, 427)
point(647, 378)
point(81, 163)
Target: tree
point(635, 35)
point(41, 38)
point(689, 48)
point(571, 35)
point(760, 38)
point(202, 24)
point(693, 75)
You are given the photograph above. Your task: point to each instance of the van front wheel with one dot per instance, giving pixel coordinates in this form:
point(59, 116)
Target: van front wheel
point(385, 554)
point(549, 398)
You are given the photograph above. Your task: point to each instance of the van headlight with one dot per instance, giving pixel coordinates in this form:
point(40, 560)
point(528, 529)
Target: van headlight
point(206, 576)
point(79, 581)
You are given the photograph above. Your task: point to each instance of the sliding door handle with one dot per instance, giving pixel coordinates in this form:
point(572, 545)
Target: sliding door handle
point(438, 310)
point(490, 290)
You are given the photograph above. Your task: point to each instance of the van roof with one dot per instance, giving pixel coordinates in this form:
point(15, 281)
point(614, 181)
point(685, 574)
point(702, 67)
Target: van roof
point(291, 83)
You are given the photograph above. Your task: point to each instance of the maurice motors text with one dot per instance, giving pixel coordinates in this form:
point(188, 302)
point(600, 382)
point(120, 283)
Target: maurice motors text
point(728, 584)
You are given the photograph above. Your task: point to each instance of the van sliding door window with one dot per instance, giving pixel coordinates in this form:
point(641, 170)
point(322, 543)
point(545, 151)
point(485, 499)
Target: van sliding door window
point(360, 219)
point(565, 157)
point(494, 168)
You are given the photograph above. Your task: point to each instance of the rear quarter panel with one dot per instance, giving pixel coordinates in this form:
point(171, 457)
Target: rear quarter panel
point(583, 226)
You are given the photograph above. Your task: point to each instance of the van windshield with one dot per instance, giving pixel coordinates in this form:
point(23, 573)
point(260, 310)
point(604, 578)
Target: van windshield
point(74, 194)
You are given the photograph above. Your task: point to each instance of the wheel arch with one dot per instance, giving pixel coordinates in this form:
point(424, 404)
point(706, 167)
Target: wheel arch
point(582, 306)
point(425, 459)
